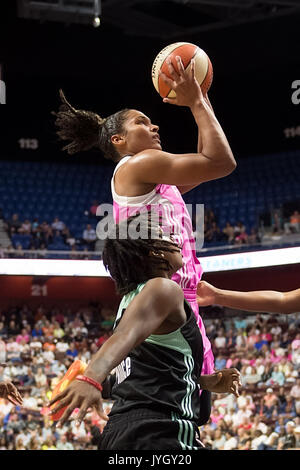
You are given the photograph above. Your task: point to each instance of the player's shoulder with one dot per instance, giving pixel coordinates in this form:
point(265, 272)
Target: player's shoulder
point(145, 156)
point(164, 288)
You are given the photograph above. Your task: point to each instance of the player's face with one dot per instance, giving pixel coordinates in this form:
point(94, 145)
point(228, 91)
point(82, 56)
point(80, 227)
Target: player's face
point(140, 134)
point(175, 257)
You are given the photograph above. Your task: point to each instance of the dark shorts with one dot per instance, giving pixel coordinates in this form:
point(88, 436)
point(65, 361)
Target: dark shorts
point(143, 429)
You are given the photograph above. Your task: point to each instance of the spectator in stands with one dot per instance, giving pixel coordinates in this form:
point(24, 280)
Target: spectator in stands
point(214, 234)
point(63, 444)
point(19, 253)
point(3, 329)
point(25, 228)
point(228, 230)
point(240, 234)
point(277, 377)
point(37, 330)
point(35, 227)
point(250, 375)
point(231, 441)
point(29, 379)
point(268, 402)
point(294, 224)
point(58, 331)
point(220, 361)
point(42, 250)
point(49, 443)
point(2, 353)
point(220, 340)
point(219, 440)
point(23, 336)
point(40, 378)
point(245, 400)
point(286, 438)
point(295, 394)
point(69, 239)
point(260, 342)
point(46, 233)
point(258, 439)
point(253, 237)
point(72, 352)
point(93, 209)
point(270, 440)
point(14, 224)
point(57, 225)
point(288, 409)
point(89, 237)
point(276, 223)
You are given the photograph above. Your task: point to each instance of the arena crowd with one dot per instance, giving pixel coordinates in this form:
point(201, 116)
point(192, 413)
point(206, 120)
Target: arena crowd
point(38, 345)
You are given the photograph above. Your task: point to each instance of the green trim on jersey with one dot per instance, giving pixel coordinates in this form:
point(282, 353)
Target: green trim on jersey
point(174, 340)
point(185, 434)
point(127, 299)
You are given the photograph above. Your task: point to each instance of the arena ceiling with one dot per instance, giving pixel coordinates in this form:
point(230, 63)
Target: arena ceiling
point(165, 19)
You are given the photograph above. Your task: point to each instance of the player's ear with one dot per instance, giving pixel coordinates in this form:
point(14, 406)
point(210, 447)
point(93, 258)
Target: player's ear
point(155, 253)
point(117, 139)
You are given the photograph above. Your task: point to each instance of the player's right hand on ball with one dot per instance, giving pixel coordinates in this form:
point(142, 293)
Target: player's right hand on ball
point(184, 83)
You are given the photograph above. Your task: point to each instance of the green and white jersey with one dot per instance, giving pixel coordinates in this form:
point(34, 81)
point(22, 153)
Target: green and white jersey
point(161, 373)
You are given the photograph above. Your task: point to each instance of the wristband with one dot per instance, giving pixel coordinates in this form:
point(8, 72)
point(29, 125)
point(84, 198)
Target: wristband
point(90, 381)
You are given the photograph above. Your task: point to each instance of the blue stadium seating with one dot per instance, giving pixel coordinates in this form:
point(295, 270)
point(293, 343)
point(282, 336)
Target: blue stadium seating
point(46, 190)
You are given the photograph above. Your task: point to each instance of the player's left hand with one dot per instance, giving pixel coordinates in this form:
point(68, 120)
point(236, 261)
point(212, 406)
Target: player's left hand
point(222, 381)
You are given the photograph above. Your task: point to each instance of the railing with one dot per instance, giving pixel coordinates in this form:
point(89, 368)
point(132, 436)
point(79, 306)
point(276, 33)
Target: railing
point(265, 244)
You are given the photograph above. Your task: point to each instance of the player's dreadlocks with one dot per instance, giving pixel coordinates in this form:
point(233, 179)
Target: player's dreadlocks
point(129, 260)
point(86, 130)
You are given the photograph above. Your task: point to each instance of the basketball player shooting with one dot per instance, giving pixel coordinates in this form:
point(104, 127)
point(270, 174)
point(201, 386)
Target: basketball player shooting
point(146, 175)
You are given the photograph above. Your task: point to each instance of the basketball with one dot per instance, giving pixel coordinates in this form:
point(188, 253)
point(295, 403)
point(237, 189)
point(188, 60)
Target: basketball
point(76, 368)
point(187, 52)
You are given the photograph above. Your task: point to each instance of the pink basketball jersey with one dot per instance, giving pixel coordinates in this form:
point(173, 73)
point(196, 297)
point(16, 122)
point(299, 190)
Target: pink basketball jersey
point(167, 201)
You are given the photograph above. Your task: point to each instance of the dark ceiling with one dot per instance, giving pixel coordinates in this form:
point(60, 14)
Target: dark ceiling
point(166, 19)
point(48, 44)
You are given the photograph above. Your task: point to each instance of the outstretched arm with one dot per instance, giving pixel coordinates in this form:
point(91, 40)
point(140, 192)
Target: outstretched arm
point(256, 301)
point(144, 316)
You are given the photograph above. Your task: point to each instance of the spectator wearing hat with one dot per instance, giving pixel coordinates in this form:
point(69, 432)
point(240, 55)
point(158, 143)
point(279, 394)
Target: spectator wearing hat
point(268, 402)
point(287, 438)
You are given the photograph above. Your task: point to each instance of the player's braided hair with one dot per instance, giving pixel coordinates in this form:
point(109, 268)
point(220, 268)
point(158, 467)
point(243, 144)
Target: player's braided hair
point(129, 260)
point(86, 130)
